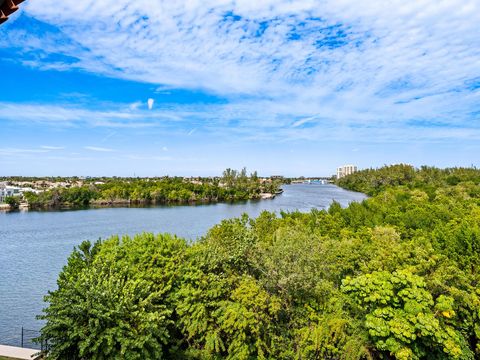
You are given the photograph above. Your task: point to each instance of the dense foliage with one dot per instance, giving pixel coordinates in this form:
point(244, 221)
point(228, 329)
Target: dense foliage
point(394, 277)
point(13, 201)
point(232, 186)
point(426, 178)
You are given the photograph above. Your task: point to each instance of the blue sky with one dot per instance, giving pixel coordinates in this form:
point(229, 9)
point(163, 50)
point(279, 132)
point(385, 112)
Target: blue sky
point(145, 87)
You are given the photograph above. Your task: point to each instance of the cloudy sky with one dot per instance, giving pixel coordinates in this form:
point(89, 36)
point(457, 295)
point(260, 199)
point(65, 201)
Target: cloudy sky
point(151, 87)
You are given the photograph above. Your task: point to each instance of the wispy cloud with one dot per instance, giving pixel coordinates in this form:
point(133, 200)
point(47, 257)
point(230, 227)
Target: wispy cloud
point(17, 151)
point(253, 120)
point(134, 106)
point(48, 147)
point(108, 136)
point(303, 121)
point(116, 116)
point(151, 158)
point(99, 149)
point(336, 66)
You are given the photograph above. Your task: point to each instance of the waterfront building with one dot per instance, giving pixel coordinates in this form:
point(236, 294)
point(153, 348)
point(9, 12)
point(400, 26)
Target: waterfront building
point(6, 191)
point(346, 170)
point(2, 192)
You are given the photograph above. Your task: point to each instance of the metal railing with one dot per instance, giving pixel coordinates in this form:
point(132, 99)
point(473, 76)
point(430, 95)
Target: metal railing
point(25, 338)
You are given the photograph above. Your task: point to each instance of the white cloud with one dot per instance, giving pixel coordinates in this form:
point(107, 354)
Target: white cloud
point(134, 106)
point(47, 147)
point(304, 121)
point(154, 158)
point(247, 120)
point(118, 116)
point(99, 149)
point(342, 68)
point(17, 151)
point(108, 136)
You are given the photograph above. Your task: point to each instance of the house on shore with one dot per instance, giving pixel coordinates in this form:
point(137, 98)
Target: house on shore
point(7, 191)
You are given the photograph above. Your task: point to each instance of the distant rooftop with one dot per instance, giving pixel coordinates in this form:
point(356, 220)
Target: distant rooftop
point(7, 7)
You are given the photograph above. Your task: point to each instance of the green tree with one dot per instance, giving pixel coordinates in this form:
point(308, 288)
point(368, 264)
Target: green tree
point(110, 302)
point(403, 319)
point(13, 201)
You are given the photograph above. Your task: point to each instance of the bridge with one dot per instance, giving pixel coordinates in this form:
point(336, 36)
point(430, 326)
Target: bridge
point(314, 180)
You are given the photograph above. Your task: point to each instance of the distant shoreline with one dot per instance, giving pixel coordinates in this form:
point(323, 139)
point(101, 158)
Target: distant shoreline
point(125, 203)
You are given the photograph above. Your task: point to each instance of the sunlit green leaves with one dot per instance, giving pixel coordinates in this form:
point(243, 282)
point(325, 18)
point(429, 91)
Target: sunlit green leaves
point(402, 317)
point(396, 276)
point(112, 303)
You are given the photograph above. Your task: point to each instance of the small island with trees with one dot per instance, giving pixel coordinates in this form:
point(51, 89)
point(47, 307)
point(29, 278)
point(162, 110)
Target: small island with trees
point(74, 192)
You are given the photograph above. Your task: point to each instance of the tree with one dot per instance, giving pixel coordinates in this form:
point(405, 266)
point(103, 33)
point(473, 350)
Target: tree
point(13, 201)
point(111, 303)
point(393, 277)
point(403, 319)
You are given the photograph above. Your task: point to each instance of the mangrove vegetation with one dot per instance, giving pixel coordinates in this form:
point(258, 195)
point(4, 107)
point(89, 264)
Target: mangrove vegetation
point(394, 277)
point(233, 185)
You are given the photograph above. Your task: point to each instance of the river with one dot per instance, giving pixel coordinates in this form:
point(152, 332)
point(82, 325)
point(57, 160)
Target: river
point(34, 245)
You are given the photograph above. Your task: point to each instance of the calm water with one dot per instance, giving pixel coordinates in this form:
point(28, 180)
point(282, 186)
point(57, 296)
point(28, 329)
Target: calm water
point(35, 245)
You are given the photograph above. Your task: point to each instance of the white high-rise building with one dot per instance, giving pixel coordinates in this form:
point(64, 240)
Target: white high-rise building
point(346, 170)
